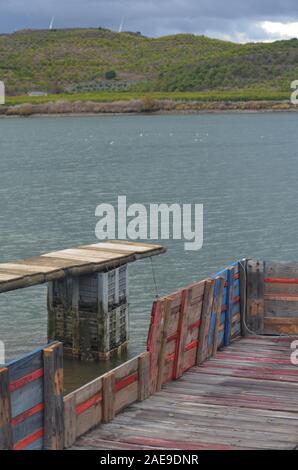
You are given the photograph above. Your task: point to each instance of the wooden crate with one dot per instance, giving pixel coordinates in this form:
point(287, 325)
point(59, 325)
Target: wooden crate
point(90, 313)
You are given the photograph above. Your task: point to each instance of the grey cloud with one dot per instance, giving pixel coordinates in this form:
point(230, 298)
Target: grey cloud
point(235, 19)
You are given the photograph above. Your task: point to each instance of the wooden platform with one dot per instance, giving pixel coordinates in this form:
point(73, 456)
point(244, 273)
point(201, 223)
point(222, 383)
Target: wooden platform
point(245, 398)
point(75, 261)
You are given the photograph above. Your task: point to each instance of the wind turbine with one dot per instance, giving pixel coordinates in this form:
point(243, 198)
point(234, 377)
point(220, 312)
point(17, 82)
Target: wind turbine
point(121, 25)
point(52, 23)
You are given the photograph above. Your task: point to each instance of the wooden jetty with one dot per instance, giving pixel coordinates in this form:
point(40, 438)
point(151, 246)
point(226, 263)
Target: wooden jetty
point(217, 374)
point(87, 294)
point(74, 262)
point(245, 398)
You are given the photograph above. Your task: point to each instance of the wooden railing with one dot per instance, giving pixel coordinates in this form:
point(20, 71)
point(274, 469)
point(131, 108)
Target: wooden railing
point(31, 401)
point(272, 297)
point(187, 327)
point(100, 400)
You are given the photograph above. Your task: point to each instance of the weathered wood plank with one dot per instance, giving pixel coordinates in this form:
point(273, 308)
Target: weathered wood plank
point(128, 246)
point(126, 396)
point(280, 288)
point(51, 312)
point(53, 397)
point(242, 266)
point(5, 277)
point(281, 325)
point(89, 419)
point(27, 269)
point(6, 439)
point(280, 297)
point(239, 400)
point(91, 257)
point(217, 311)
point(194, 305)
point(154, 343)
point(21, 368)
point(165, 307)
point(108, 397)
point(255, 296)
point(281, 307)
point(144, 376)
point(126, 369)
point(75, 261)
point(70, 420)
point(88, 391)
point(205, 321)
point(230, 298)
point(281, 269)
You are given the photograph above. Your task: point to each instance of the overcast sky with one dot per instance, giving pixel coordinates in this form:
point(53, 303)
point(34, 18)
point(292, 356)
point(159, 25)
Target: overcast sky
point(237, 20)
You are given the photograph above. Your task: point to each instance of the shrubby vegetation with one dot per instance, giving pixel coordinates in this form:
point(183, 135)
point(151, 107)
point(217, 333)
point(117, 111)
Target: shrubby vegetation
point(98, 59)
point(110, 74)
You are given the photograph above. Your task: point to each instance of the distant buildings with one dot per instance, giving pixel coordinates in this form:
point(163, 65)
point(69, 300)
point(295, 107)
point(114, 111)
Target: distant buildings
point(37, 93)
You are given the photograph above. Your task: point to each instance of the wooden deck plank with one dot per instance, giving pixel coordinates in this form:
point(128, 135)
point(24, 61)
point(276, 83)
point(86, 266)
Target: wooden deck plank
point(53, 263)
point(84, 255)
point(128, 247)
point(26, 269)
point(82, 260)
point(245, 398)
point(5, 277)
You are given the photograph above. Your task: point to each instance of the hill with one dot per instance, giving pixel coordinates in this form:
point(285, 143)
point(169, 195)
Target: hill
point(95, 60)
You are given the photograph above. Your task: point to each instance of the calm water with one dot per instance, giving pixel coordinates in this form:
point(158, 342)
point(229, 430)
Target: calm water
point(55, 171)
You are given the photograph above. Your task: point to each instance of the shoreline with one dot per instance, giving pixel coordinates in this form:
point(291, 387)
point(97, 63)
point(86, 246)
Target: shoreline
point(138, 107)
point(156, 113)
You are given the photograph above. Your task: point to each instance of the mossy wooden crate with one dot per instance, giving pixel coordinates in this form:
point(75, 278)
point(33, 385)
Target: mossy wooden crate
point(90, 313)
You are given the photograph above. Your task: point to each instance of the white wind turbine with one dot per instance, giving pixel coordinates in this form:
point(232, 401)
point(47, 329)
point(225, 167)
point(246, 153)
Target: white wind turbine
point(121, 25)
point(52, 23)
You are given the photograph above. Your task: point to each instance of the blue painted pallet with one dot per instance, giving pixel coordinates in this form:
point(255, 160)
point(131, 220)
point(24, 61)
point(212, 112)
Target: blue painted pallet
point(228, 327)
point(26, 379)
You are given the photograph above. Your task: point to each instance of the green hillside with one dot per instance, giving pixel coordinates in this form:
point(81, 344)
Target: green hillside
point(99, 60)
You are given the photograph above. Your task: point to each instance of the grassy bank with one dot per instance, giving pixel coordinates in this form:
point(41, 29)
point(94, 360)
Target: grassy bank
point(133, 103)
point(109, 97)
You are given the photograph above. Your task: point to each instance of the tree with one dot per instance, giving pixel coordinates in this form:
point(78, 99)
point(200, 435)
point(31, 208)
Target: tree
point(110, 75)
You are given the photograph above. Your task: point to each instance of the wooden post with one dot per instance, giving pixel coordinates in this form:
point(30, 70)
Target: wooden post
point(108, 395)
point(183, 330)
point(242, 266)
point(70, 421)
point(217, 311)
point(255, 296)
point(144, 376)
point(155, 342)
point(53, 397)
point(229, 312)
point(75, 316)
point(51, 313)
point(6, 440)
point(165, 315)
point(205, 321)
